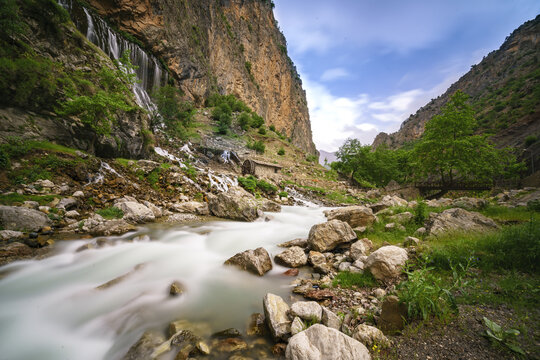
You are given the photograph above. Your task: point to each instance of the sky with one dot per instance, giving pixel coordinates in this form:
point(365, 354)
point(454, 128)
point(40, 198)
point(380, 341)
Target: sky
point(366, 65)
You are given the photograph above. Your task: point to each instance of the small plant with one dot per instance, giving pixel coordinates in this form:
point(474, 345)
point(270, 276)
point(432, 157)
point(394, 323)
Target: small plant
point(249, 183)
point(496, 334)
point(244, 120)
point(258, 146)
point(283, 194)
point(529, 140)
point(190, 170)
point(262, 130)
point(110, 213)
point(310, 322)
point(272, 128)
point(311, 158)
point(348, 279)
point(281, 152)
point(420, 213)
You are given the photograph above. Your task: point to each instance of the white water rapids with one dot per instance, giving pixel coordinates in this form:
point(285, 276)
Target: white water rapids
point(51, 309)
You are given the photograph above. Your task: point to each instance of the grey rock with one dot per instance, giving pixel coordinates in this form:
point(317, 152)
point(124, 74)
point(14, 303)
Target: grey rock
point(68, 203)
point(135, 212)
point(236, 204)
point(31, 205)
point(22, 219)
point(370, 335)
point(411, 241)
point(359, 248)
point(330, 319)
point(72, 214)
point(328, 235)
point(78, 194)
point(353, 215)
point(7, 235)
point(191, 207)
point(316, 258)
point(296, 242)
point(155, 209)
point(458, 220)
point(275, 311)
point(387, 262)
point(256, 261)
point(319, 342)
point(292, 257)
point(402, 217)
point(297, 325)
point(307, 310)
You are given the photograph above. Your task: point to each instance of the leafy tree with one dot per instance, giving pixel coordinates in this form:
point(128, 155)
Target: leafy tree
point(449, 148)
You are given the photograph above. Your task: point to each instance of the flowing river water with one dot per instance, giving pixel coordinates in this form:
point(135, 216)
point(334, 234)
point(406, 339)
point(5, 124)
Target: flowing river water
point(52, 309)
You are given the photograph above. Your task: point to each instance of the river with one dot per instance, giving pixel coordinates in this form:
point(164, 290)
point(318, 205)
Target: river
point(51, 309)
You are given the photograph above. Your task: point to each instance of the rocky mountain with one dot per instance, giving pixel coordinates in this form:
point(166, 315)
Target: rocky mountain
point(229, 46)
point(504, 89)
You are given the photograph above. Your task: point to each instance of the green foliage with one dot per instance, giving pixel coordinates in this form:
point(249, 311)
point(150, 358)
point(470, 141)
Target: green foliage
point(449, 148)
point(311, 158)
point(347, 279)
point(272, 128)
point(262, 130)
point(5, 162)
point(224, 123)
point(190, 170)
point(533, 205)
point(216, 100)
point(110, 213)
point(176, 113)
point(258, 146)
point(529, 140)
point(283, 194)
point(18, 199)
point(98, 110)
point(366, 166)
point(251, 184)
point(420, 213)
point(256, 120)
point(426, 294)
point(497, 334)
point(244, 120)
point(513, 248)
point(281, 151)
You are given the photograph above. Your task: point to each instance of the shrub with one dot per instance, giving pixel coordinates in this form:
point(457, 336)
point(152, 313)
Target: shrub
point(4, 159)
point(224, 123)
point(244, 120)
point(281, 151)
point(283, 194)
point(529, 140)
point(111, 212)
point(266, 187)
point(272, 128)
point(258, 146)
point(249, 183)
point(256, 121)
point(262, 130)
point(420, 213)
point(311, 158)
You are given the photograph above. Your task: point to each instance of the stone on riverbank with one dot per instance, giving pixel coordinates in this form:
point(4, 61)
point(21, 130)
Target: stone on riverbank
point(236, 204)
point(292, 257)
point(386, 262)
point(22, 219)
point(353, 215)
point(328, 235)
point(275, 311)
point(256, 261)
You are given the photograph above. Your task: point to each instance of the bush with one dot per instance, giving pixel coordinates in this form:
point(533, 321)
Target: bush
point(266, 187)
point(311, 158)
point(281, 151)
point(283, 194)
point(244, 120)
point(256, 121)
point(224, 123)
point(420, 213)
point(111, 213)
point(258, 146)
point(262, 130)
point(249, 183)
point(529, 140)
point(272, 128)
point(4, 159)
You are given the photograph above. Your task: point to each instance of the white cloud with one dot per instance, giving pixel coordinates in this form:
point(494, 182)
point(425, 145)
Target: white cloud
point(334, 74)
point(334, 119)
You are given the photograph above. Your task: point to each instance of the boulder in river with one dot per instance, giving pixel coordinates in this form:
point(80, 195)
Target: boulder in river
point(236, 204)
point(292, 257)
point(319, 342)
point(353, 215)
point(22, 219)
point(458, 220)
point(296, 242)
point(256, 261)
point(275, 311)
point(386, 262)
point(327, 236)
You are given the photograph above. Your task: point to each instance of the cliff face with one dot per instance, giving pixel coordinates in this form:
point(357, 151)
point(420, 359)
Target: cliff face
point(504, 89)
point(227, 46)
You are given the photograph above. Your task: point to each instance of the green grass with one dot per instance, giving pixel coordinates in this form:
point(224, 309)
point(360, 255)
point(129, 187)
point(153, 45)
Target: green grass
point(123, 162)
point(14, 199)
point(347, 279)
point(503, 214)
point(110, 213)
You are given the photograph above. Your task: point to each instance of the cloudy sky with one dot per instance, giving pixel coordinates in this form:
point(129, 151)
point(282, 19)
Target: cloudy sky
point(366, 65)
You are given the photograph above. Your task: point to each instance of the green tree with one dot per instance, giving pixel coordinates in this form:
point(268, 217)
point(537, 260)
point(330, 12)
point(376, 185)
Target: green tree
point(449, 149)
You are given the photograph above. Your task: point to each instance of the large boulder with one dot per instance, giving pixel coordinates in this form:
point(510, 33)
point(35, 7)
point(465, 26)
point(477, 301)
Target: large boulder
point(458, 220)
point(352, 215)
point(307, 310)
point(191, 207)
point(275, 311)
point(135, 212)
point(22, 219)
point(319, 342)
point(386, 262)
point(360, 248)
point(470, 203)
point(326, 236)
point(388, 201)
point(256, 261)
point(370, 335)
point(292, 257)
point(236, 204)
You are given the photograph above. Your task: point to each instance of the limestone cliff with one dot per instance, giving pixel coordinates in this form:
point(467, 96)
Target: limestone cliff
point(227, 46)
point(504, 89)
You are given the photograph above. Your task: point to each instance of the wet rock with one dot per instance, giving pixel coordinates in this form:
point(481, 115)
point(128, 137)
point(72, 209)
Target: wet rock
point(191, 207)
point(370, 335)
point(22, 219)
point(231, 345)
point(291, 272)
point(393, 314)
point(458, 220)
point(256, 261)
point(292, 257)
point(319, 295)
point(135, 212)
point(111, 227)
point(275, 311)
point(15, 250)
point(176, 288)
point(328, 235)
point(236, 204)
point(68, 203)
point(256, 325)
point(270, 206)
point(297, 326)
point(319, 342)
point(200, 329)
point(227, 333)
point(386, 262)
point(10, 235)
point(411, 241)
point(360, 248)
point(307, 310)
point(296, 242)
point(353, 215)
point(330, 319)
point(144, 347)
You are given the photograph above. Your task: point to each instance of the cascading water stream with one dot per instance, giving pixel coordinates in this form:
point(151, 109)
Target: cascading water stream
point(55, 308)
point(149, 72)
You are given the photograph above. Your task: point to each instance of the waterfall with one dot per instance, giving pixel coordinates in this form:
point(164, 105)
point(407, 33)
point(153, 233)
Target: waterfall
point(150, 75)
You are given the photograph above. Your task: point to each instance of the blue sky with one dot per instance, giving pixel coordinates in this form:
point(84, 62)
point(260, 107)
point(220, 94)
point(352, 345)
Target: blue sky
point(366, 65)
